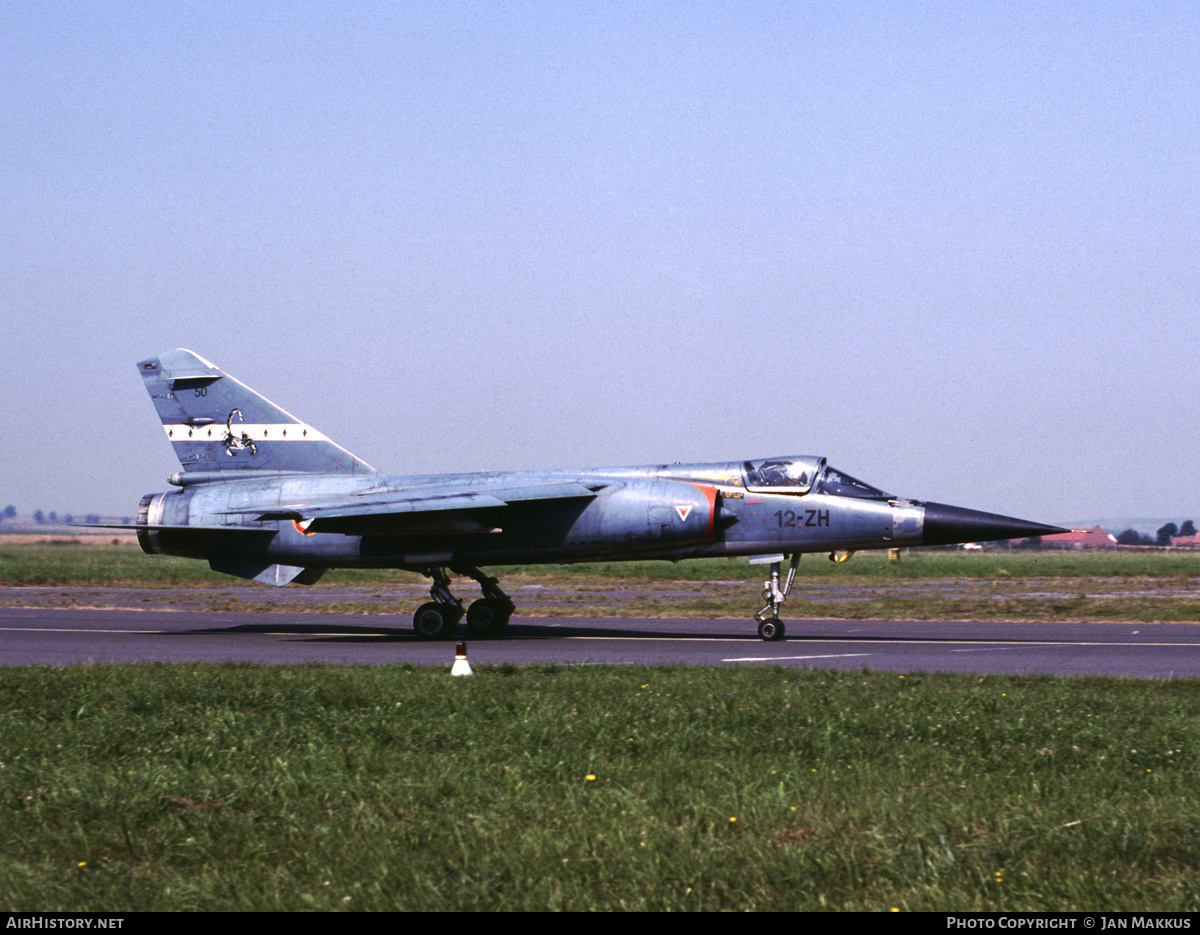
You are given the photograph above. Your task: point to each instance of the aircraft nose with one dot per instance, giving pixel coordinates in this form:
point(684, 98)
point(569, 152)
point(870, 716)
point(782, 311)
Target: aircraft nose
point(945, 524)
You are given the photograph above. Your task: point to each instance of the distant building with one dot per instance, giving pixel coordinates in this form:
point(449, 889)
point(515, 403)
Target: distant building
point(1094, 538)
point(1186, 542)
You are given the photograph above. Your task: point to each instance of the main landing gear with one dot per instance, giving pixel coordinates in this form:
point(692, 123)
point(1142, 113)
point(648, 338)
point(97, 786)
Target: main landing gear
point(486, 617)
point(770, 627)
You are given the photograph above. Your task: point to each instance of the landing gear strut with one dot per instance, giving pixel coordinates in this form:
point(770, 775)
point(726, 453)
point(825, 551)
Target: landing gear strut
point(438, 619)
point(770, 627)
point(489, 615)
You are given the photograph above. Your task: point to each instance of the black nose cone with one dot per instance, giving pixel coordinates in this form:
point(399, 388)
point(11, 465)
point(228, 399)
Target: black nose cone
point(945, 524)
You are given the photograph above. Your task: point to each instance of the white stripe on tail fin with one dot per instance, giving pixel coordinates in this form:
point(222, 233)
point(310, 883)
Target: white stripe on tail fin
point(217, 424)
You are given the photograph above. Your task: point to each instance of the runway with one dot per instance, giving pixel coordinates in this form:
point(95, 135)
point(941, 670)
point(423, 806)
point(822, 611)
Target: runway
point(54, 636)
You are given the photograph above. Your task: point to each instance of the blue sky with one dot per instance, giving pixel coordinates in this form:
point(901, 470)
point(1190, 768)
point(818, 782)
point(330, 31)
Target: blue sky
point(953, 247)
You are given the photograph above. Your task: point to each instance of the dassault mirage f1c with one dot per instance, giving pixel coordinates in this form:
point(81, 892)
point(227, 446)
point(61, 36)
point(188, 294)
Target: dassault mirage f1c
point(267, 497)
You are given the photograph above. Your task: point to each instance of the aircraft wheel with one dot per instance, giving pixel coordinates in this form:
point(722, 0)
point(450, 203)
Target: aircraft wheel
point(434, 621)
point(487, 617)
point(771, 630)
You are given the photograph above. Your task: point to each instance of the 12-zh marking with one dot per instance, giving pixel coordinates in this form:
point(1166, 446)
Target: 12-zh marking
point(790, 519)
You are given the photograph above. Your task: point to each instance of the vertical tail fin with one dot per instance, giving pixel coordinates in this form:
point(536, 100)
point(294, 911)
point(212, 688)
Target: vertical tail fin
point(216, 423)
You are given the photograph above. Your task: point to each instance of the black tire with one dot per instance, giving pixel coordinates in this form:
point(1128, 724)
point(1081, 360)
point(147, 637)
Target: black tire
point(487, 617)
point(434, 621)
point(771, 631)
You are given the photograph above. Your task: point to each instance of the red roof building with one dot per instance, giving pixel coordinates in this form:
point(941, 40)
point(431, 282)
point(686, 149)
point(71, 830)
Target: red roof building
point(1094, 538)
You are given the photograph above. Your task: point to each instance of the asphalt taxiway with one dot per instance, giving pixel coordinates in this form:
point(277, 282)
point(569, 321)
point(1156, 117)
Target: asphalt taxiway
point(69, 636)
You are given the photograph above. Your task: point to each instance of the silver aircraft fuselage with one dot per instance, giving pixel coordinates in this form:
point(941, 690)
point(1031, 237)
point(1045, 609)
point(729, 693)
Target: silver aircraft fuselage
point(654, 512)
point(265, 496)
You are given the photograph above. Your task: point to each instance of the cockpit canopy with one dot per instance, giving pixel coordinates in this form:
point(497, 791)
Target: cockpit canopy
point(800, 474)
point(783, 475)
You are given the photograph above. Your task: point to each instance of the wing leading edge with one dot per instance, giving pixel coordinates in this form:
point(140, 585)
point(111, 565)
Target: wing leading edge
point(441, 510)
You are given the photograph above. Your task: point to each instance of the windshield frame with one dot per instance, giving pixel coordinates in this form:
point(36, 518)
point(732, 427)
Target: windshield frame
point(849, 486)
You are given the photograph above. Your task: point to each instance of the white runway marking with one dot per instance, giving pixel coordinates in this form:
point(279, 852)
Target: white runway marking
point(77, 630)
point(781, 658)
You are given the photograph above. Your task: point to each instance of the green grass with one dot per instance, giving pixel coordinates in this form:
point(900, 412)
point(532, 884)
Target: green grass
point(916, 564)
point(99, 566)
point(1140, 586)
point(128, 566)
point(242, 788)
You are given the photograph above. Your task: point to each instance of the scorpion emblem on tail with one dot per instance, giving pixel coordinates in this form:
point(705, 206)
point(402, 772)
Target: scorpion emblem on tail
point(233, 442)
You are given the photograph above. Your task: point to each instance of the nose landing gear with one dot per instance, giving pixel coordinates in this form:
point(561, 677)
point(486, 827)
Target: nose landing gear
point(770, 627)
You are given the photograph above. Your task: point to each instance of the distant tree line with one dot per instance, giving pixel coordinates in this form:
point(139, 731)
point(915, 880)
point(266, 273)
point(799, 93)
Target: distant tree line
point(1162, 537)
point(42, 518)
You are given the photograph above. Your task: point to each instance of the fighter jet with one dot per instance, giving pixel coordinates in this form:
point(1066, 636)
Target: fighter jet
point(265, 496)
